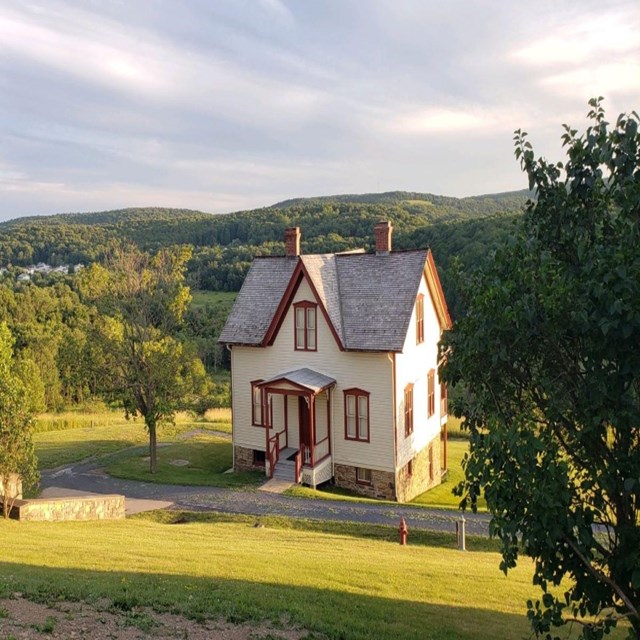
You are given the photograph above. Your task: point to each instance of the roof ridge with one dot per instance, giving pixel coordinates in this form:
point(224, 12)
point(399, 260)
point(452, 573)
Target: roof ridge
point(342, 327)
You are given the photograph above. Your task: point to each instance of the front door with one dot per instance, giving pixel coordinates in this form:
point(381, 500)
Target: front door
point(305, 429)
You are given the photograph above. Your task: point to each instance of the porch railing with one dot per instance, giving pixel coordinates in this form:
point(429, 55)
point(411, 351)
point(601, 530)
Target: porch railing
point(311, 456)
point(321, 450)
point(275, 443)
point(298, 460)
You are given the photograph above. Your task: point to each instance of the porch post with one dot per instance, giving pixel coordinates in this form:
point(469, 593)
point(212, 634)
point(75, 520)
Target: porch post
point(329, 409)
point(312, 426)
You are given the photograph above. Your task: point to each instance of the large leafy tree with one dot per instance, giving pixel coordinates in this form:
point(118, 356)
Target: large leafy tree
point(144, 364)
point(548, 354)
point(17, 457)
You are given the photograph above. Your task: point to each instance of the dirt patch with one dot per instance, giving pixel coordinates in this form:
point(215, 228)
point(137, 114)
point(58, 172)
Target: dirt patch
point(25, 620)
point(180, 463)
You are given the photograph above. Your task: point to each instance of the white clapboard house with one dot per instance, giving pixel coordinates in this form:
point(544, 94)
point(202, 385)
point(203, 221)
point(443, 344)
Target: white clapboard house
point(334, 369)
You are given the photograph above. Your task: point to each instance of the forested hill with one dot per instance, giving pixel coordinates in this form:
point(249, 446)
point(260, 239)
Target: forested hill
point(224, 245)
point(472, 206)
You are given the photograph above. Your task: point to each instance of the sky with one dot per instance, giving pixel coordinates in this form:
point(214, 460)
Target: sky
point(222, 105)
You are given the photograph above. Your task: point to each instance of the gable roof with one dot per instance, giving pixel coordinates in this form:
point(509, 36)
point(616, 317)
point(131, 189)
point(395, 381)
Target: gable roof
point(367, 299)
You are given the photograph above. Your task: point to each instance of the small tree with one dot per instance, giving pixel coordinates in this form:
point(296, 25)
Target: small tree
point(146, 367)
point(17, 457)
point(549, 355)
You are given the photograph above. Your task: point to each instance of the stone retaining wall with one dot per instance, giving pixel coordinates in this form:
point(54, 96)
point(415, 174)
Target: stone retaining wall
point(102, 507)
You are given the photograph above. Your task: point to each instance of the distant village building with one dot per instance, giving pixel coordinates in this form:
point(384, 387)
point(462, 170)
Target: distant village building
point(334, 369)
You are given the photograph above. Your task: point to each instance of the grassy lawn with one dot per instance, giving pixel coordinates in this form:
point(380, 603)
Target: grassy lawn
point(68, 437)
point(440, 496)
point(341, 582)
point(212, 298)
point(202, 461)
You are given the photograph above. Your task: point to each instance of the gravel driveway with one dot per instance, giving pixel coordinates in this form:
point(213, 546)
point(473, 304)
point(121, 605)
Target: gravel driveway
point(89, 477)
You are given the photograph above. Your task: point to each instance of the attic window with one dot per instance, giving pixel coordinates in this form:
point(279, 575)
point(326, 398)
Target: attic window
point(420, 319)
point(306, 329)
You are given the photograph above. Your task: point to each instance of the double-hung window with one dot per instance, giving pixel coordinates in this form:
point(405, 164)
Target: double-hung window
point(420, 319)
point(431, 393)
point(356, 415)
point(408, 410)
point(305, 330)
point(257, 409)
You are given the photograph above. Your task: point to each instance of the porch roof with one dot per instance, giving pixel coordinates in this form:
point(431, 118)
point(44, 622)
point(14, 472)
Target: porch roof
point(306, 378)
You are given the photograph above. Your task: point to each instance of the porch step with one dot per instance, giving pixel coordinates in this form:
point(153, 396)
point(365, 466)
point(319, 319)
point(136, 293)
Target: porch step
point(285, 468)
point(286, 453)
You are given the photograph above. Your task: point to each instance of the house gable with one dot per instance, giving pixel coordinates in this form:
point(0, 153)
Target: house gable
point(300, 275)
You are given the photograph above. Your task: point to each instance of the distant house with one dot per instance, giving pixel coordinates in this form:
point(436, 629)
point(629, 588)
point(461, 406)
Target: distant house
point(334, 363)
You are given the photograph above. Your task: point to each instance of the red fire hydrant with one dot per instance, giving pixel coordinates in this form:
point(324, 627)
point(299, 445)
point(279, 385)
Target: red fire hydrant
point(403, 530)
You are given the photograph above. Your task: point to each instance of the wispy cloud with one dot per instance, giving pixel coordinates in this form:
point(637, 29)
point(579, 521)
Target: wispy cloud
point(236, 103)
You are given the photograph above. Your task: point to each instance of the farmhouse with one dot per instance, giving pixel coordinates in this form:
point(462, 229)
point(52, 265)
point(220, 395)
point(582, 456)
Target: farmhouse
point(334, 364)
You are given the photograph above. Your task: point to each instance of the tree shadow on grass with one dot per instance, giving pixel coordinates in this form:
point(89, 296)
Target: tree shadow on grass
point(336, 614)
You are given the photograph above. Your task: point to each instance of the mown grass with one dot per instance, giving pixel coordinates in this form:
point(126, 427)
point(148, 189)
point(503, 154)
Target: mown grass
point(207, 459)
point(440, 497)
point(204, 298)
point(68, 437)
point(337, 583)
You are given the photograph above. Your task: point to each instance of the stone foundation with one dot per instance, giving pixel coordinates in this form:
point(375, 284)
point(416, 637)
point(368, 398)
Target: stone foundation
point(103, 507)
point(14, 486)
point(410, 486)
point(243, 460)
point(382, 482)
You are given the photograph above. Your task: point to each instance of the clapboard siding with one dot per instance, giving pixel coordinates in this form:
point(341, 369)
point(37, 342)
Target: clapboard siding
point(369, 371)
point(412, 366)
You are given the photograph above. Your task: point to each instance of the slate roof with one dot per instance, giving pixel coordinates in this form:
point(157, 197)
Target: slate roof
point(257, 301)
point(308, 378)
point(369, 298)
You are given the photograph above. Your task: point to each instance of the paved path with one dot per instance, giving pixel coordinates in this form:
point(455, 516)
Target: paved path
point(88, 476)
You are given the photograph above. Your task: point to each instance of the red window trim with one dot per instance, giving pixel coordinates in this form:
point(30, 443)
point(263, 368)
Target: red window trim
point(357, 393)
point(431, 393)
point(408, 410)
point(305, 304)
point(254, 422)
point(420, 319)
point(364, 482)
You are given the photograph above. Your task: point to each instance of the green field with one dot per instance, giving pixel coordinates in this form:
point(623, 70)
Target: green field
point(343, 585)
point(202, 460)
point(68, 437)
point(213, 298)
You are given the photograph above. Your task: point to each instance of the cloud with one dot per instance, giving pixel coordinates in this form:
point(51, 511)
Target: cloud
point(244, 102)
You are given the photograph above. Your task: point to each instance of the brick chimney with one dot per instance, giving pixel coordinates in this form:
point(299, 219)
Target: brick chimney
point(292, 242)
point(382, 232)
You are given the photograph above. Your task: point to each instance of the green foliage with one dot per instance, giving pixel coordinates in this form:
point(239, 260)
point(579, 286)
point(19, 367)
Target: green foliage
point(224, 246)
point(146, 366)
point(16, 446)
point(549, 359)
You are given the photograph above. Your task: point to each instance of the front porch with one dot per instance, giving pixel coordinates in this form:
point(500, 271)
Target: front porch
point(297, 407)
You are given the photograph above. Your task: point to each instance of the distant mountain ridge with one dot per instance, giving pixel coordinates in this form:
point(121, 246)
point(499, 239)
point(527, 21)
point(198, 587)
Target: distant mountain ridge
point(395, 197)
point(223, 246)
point(488, 204)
